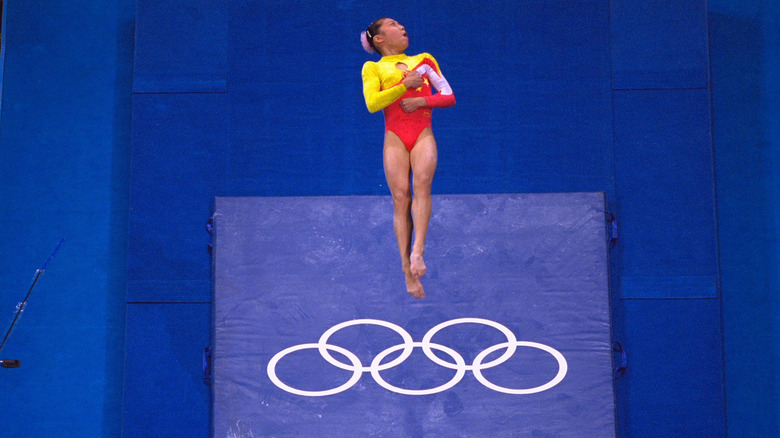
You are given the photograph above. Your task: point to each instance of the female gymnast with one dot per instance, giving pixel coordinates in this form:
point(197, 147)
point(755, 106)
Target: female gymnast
point(401, 85)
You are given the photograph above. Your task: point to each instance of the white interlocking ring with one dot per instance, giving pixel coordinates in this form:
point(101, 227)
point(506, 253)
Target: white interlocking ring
point(461, 370)
point(562, 368)
point(404, 334)
point(408, 346)
point(510, 339)
point(351, 382)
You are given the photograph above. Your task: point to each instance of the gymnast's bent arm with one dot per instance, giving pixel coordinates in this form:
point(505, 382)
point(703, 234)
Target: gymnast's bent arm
point(442, 99)
point(376, 98)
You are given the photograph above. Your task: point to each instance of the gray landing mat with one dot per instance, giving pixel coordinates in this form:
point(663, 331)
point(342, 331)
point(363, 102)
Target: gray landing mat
point(315, 335)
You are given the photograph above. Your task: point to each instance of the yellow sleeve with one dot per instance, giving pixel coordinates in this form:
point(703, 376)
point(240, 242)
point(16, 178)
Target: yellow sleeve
point(376, 98)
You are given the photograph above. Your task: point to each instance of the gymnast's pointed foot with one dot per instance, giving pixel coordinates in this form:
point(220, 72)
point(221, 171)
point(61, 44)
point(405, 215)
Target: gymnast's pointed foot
point(414, 286)
point(417, 265)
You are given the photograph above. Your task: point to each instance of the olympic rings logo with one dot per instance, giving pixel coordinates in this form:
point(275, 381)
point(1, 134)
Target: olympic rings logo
point(427, 346)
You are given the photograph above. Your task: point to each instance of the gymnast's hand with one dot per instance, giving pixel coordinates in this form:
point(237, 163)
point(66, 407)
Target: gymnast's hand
point(413, 79)
point(411, 104)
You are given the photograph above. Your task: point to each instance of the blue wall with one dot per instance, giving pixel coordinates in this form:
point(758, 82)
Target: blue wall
point(745, 51)
point(64, 173)
point(552, 96)
point(582, 96)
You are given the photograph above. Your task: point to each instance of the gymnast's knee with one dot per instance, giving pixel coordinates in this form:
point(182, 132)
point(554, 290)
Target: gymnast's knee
point(401, 198)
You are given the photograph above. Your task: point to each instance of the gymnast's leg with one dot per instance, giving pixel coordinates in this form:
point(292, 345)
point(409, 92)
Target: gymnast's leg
point(397, 172)
point(423, 159)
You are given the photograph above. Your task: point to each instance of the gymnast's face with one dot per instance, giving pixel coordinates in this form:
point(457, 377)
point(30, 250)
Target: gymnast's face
point(393, 35)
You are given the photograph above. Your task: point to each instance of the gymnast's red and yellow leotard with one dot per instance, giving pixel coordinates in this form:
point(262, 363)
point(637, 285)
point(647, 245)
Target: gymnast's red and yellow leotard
point(382, 89)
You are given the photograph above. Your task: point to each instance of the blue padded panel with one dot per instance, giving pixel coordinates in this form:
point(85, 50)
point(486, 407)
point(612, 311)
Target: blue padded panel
point(178, 166)
point(64, 136)
point(675, 371)
point(659, 44)
point(537, 120)
point(666, 207)
point(288, 269)
point(181, 46)
point(745, 65)
point(164, 390)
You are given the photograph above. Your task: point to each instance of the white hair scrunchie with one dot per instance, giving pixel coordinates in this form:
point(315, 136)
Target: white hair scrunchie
point(364, 41)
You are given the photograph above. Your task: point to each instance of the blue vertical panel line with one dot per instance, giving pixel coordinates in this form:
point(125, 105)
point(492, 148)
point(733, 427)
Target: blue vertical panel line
point(296, 275)
point(2, 52)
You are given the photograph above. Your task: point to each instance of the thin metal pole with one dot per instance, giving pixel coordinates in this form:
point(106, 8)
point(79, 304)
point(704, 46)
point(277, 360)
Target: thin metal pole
point(19, 310)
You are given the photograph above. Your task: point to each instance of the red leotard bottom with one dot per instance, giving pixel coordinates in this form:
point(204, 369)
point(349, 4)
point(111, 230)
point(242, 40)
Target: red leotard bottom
point(408, 127)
